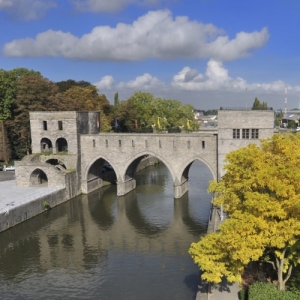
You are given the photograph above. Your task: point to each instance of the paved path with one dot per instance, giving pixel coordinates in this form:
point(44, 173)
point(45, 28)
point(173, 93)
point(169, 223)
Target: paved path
point(224, 290)
point(12, 195)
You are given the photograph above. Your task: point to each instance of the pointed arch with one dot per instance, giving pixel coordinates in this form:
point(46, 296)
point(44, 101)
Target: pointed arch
point(187, 164)
point(95, 172)
point(133, 161)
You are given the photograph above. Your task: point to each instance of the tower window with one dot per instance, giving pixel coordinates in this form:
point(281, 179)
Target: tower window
point(45, 125)
point(60, 125)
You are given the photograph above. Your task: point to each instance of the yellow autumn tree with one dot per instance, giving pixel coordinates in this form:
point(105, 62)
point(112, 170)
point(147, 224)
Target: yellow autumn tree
point(261, 195)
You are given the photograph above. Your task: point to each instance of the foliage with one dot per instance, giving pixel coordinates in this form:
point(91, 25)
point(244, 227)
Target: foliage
point(85, 98)
point(261, 194)
point(292, 124)
point(46, 205)
point(294, 282)
point(142, 112)
point(267, 291)
point(63, 86)
point(33, 93)
point(116, 99)
point(257, 105)
point(8, 82)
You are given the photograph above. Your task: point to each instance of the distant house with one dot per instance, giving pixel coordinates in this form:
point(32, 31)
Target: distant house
point(208, 121)
point(287, 120)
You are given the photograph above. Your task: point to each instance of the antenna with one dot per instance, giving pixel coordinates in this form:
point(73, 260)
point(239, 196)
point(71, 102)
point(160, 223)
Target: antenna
point(246, 98)
point(285, 101)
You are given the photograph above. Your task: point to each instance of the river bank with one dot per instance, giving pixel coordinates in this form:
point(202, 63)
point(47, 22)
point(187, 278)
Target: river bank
point(18, 204)
point(223, 290)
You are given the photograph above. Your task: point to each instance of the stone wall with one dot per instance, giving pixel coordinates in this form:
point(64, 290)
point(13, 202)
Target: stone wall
point(123, 151)
point(26, 211)
point(263, 120)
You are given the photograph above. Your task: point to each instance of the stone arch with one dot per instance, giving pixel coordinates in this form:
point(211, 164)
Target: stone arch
point(94, 173)
point(133, 162)
point(61, 145)
point(57, 163)
point(187, 165)
point(38, 177)
point(46, 145)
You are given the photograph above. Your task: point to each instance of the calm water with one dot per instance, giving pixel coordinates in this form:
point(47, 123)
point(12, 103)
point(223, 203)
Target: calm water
point(101, 246)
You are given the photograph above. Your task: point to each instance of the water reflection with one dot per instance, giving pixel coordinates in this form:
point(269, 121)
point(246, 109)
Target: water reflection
point(103, 246)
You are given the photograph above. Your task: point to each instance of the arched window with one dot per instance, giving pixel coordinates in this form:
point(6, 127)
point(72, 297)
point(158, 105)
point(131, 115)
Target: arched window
point(46, 145)
point(61, 145)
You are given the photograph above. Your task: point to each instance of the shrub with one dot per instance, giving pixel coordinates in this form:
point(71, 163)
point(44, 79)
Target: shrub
point(267, 291)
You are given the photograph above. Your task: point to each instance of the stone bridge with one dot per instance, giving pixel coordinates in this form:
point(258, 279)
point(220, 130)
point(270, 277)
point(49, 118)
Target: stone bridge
point(125, 151)
point(69, 150)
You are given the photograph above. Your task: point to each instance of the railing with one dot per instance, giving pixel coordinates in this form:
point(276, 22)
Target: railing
point(245, 108)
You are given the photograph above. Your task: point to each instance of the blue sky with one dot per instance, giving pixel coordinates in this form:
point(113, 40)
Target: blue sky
point(209, 53)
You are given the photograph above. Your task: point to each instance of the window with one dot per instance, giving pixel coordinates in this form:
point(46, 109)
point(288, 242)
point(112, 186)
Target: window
point(94, 143)
point(236, 133)
point(45, 125)
point(159, 142)
point(254, 133)
point(132, 143)
point(203, 144)
point(245, 133)
point(146, 143)
point(120, 143)
point(106, 143)
point(60, 125)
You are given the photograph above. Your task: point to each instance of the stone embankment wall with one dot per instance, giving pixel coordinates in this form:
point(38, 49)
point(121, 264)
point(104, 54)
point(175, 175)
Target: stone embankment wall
point(21, 213)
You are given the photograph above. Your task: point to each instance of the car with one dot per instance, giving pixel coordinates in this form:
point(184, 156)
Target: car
point(298, 129)
point(9, 168)
point(1, 169)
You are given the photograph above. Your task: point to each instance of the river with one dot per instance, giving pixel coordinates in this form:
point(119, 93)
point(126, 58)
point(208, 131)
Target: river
point(100, 246)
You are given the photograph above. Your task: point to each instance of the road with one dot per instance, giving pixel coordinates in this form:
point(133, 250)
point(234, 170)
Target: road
point(9, 175)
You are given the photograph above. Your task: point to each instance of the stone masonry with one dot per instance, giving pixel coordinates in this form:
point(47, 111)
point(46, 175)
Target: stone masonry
point(68, 150)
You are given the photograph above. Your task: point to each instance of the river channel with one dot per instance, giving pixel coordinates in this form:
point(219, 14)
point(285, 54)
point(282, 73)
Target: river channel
point(100, 246)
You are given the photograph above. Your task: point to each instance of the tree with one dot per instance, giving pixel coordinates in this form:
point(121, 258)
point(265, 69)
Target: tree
point(261, 194)
point(116, 99)
point(33, 93)
point(65, 85)
point(8, 90)
point(257, 105)
point(145, 110)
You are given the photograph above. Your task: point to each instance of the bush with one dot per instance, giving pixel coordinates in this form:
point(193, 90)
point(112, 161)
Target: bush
point(267, 291)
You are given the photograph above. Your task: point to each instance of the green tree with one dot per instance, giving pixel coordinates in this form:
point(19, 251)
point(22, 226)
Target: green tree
point(147, 111)
point(116, 99)
point(261, 194)
point(8, 83)
point(257, 105)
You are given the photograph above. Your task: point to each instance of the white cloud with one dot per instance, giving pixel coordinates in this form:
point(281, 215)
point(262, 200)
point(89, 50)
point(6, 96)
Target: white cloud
point(154, 35)
point(111, 5)
point(144, 82)
point(26, 9)
point(216, 78)
point(106, 83)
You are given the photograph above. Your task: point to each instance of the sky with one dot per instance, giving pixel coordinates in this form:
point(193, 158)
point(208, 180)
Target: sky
point(208, 53)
